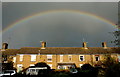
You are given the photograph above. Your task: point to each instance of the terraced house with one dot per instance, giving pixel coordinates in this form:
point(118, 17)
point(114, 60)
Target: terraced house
point(58, 57)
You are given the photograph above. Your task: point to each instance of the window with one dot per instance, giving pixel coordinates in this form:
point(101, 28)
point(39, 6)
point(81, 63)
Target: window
point(21, 57)
point(32, 65)
point(19, 67)
point(33, 57)
point(97, 57)
point(49, 58)
point(81, 57)
point(64, 67)
point(70, 57)
point(61, 58)
point(4, 57)
point(81, 65)
point(14, 59)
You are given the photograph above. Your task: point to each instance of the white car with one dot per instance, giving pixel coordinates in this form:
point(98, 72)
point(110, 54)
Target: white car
point(8, 72)
point(1, 74)
point(34, 71)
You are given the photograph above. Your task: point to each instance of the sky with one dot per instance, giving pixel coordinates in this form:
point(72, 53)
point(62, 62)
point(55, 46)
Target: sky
point(60, 24)
point(60, 0)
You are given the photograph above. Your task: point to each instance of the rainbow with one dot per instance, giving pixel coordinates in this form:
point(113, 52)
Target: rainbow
point(57, 11)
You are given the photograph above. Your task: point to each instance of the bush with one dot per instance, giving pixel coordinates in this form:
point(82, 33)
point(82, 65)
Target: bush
point(111, 68)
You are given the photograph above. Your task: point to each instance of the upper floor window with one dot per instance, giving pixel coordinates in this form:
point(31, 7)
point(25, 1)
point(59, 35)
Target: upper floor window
point(14, 59)
point(61, 58)
point(70, 57)
point(49, 58)
point(21, 57)
point(81, 58)
point(33, 57)
point(97, 57)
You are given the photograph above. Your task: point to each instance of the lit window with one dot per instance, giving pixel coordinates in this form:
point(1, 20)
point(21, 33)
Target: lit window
point(61, 58)
point(21, 57)
point(49, 58)
point(97, 57)
point(33, 57)
point(70, 57)
point(81, 57)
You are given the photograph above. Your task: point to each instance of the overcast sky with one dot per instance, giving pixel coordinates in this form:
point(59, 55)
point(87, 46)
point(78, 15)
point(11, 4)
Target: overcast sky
point(59, 29)
point(60, 0)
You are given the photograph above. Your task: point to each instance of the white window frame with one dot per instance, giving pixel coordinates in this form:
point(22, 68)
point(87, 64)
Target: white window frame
point(49, 57)
point(33, 57)
point(83, 57)
point(14, 59)
point(61, 58)
point(32, 65)
point(69, 57)
point(21, 57)
point(19, 67)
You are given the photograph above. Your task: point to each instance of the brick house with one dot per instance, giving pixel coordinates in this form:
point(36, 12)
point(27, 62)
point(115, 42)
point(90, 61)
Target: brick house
point(59, 57)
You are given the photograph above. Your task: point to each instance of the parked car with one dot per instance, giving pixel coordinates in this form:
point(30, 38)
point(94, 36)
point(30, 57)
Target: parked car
point(1, 74)
point(8, 72)
point(34, 70)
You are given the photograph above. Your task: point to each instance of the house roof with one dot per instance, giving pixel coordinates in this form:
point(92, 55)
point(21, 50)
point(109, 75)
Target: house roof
point(62, 50)
point(10, 51)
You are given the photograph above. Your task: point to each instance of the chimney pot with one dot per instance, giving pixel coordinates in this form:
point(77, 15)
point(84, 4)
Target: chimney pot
point(43, 44)
point(104, 45)
point(4, 46)
point(85, 45)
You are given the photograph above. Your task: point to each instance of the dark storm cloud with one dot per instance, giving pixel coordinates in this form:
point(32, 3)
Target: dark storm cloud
point(58, 29)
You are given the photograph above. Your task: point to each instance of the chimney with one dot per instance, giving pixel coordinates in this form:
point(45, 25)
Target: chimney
point(104, 45)
point(43, 44)
point(85, 45)
point(4, 46)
